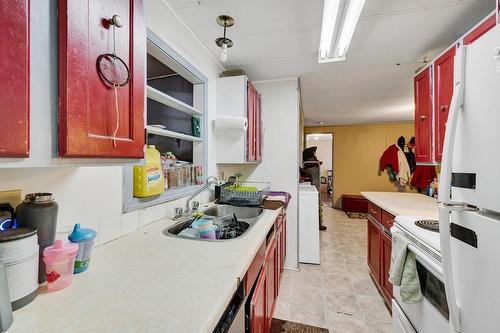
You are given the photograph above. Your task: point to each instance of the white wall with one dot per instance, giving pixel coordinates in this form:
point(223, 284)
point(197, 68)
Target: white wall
point(93, 195)
point(280, 156)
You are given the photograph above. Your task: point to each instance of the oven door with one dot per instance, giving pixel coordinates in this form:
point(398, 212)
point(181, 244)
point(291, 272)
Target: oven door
point(431, 315)
point(400, 324)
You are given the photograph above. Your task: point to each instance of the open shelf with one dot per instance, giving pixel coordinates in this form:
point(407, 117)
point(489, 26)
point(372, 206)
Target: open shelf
point(171, 134)
point(163, 98)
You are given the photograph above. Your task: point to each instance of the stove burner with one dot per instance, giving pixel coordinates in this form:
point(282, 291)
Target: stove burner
point(431, 225)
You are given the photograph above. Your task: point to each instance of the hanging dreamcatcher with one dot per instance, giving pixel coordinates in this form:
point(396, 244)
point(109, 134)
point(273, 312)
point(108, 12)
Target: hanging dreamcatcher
point(114, 71)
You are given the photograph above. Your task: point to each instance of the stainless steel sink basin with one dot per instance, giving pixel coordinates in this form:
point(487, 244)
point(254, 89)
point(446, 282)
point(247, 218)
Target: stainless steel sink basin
point(221, 214)
point(240, 212)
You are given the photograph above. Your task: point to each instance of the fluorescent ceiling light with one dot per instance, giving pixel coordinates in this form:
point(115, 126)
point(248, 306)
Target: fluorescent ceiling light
point(339, 21)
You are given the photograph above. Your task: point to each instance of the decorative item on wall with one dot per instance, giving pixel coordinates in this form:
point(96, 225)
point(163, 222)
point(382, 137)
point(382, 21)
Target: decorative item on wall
point(102, 49)
point(114, 72)
point(223, 42)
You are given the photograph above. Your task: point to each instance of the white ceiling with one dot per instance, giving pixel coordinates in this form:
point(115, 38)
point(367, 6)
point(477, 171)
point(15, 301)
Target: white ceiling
point(280, 38)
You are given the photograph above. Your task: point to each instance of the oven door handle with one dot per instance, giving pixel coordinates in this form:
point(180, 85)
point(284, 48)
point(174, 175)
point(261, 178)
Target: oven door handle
point(429, 264)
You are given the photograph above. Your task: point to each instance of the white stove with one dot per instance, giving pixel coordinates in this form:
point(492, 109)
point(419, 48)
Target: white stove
point(431, 314)
point(426, 237)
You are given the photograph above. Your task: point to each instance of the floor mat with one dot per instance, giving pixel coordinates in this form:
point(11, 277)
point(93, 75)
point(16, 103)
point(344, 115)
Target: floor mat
point(357, 215)
point(284, 326)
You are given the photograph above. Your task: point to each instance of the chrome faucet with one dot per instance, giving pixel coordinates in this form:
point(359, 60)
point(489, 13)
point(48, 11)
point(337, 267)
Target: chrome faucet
point(210, 181)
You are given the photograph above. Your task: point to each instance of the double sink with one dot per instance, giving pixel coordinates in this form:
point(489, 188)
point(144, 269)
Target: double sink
point(247, 217)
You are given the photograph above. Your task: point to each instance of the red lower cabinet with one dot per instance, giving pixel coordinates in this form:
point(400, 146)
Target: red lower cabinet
point(379, 249)
point(271, 280)
point(374, 249)
point(386, 286)
point(258, 322)
point(266, 290)
point(14, 78)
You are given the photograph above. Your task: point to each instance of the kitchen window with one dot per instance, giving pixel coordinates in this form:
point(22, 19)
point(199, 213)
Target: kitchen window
point(175, 124)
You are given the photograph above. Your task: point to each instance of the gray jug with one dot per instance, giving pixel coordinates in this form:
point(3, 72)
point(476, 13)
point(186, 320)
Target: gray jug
point(39, 211)
point(6, 317)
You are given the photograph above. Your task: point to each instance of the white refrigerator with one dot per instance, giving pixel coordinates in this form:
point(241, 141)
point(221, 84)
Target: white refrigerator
point(469, 192)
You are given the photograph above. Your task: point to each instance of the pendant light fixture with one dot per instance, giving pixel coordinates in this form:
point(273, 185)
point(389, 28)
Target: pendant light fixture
point(223, 42)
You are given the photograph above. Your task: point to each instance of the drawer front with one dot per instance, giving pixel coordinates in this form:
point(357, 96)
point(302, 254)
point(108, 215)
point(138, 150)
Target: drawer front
point(387, 220)
point(375, 211)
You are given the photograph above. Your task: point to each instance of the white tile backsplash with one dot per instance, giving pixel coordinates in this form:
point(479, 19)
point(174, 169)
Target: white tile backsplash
point(146, 216)
point(113, 227)
point(92, 225)
point(130, 222)
point(160, 212)
point(110, 228)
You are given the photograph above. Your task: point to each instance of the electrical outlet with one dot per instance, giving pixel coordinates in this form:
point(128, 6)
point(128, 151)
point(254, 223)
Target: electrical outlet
point(13, 197)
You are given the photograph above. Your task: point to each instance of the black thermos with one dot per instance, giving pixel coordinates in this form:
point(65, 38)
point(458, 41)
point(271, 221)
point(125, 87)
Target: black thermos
point(39, 211)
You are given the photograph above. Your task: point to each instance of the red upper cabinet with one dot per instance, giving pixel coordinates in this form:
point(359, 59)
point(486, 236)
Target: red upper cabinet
point(443, 90)
point(423, 116)
point(14, 78)
point(251, 106)
point(481, 29)
point(254, 132)
point(95, 120)
point(258, 128)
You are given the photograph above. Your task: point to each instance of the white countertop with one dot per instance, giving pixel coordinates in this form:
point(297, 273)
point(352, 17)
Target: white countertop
point(148, 282)
point(398, 203)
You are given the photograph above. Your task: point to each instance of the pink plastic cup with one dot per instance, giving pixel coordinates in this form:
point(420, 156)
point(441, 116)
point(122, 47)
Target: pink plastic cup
point(59, 260)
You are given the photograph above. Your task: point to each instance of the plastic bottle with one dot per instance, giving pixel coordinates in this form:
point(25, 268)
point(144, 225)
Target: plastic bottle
point(434, 186)
point(85, 240)
point(148, 178)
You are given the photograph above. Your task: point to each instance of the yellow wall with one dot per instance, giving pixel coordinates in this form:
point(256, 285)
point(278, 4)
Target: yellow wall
point(356, 154)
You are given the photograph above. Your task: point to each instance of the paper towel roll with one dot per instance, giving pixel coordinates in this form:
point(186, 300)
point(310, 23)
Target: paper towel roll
point(231, 123)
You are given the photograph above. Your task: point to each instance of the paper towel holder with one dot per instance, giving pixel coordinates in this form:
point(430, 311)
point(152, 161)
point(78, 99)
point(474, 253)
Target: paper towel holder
point(231, 123)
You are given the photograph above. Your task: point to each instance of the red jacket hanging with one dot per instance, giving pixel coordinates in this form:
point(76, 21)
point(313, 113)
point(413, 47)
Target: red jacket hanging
point(423, 176)
point(390, 158)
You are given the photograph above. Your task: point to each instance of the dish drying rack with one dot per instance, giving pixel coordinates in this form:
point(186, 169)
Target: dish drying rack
point(244, 193)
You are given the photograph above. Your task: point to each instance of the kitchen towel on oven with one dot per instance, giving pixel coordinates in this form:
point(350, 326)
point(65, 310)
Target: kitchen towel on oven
point(403, 271)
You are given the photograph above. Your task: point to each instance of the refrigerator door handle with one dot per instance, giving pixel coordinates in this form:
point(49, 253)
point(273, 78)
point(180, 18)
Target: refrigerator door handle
point(445, 211)
point(444, 195)
point(457, 102)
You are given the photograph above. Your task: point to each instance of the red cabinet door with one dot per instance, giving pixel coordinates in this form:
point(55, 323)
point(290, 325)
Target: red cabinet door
point(284, 238)
point(443, 89)
point(374, 254)
point(93, 120)
point(258, 128)
point(386, 286)
point(251, 97)
point(480, 30)
point(270, 282)
point(423, 117)
point(279, 255)
point(258, 323)
point(14, 78)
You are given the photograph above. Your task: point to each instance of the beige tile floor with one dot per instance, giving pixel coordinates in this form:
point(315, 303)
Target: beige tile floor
point(338, 294)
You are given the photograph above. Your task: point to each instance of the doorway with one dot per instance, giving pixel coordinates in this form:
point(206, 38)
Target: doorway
point(324, 153)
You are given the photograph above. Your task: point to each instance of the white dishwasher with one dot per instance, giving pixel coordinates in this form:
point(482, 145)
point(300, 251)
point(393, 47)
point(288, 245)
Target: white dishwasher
point(309, 251)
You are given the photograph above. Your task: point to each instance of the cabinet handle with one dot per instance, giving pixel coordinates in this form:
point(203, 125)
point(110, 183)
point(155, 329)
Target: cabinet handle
point(422, 117)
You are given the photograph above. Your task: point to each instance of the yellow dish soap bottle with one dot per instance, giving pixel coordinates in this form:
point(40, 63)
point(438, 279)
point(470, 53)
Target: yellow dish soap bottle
point(148, 178)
